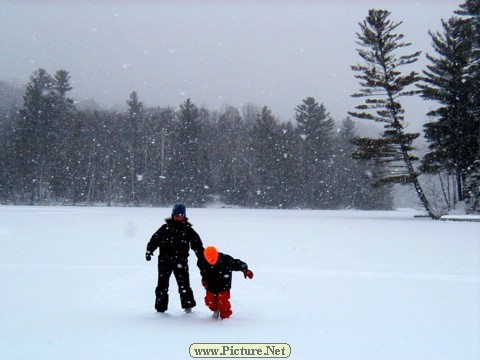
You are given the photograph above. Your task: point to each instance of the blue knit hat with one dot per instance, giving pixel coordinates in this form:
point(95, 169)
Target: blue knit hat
point(179, 209)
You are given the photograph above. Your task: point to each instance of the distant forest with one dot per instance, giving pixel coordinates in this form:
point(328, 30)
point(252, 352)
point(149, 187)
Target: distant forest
point(51, 152)
point(159, 156)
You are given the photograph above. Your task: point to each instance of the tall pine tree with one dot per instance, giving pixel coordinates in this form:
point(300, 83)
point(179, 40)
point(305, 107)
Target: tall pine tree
point(316, 128)
point(265, 152)
point(63, 110)
point(35, 138)
point(188, 173)
point(453, 132)
point(383, 85)
point(135, 144)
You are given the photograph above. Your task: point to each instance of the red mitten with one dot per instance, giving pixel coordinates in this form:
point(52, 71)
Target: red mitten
point(204, 284)
point(248, 273)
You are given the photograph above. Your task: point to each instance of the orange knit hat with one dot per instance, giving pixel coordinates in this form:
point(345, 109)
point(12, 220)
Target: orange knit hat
point(211, 255)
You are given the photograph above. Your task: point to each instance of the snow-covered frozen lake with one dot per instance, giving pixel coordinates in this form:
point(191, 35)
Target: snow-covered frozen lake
point(74, 284)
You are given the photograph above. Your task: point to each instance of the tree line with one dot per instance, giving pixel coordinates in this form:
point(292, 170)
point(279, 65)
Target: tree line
point(52, 152)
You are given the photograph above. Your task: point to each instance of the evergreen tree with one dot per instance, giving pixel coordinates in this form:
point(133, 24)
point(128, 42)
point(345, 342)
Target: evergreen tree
point(40, 136)
point(264, 136)
point(453, 134)
point(61, 85)
point(135, 148)
point(383, 85)
point(316, 127)
point(36, 136)
point(63, 124)
point(188, 173)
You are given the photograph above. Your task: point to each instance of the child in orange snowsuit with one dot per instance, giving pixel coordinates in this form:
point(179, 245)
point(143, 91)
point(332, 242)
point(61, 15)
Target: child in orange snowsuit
point(216, 270)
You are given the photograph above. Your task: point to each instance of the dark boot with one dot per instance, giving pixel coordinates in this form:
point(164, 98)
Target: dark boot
point(186, 298)
point(161, 301)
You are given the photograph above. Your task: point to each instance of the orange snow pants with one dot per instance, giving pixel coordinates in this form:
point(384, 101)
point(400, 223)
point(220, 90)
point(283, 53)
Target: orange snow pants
point(220, 302)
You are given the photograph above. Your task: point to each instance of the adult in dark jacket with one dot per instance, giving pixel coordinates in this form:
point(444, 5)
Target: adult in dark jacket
point(174, 240)
point(216, 269)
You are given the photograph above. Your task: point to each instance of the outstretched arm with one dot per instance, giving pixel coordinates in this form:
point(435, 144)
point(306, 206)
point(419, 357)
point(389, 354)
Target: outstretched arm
point(239, 265)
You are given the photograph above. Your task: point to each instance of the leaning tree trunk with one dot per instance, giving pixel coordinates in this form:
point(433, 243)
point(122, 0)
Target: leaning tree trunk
point(417, 186)
point(409, 165)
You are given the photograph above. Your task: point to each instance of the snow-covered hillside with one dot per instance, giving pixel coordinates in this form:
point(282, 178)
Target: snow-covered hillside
point(74, 284)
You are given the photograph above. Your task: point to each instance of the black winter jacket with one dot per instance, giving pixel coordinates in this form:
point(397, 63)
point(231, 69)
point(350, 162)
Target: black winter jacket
point(174, 240)
point(218, 277)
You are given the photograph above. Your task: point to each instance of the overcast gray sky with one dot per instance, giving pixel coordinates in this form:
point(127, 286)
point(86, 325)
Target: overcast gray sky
point(273, 53)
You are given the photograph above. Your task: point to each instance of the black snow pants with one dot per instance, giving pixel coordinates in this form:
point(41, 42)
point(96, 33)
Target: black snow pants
point(180, 271)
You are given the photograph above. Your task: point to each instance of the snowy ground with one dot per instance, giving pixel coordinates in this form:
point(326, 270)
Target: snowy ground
point(333, 284)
